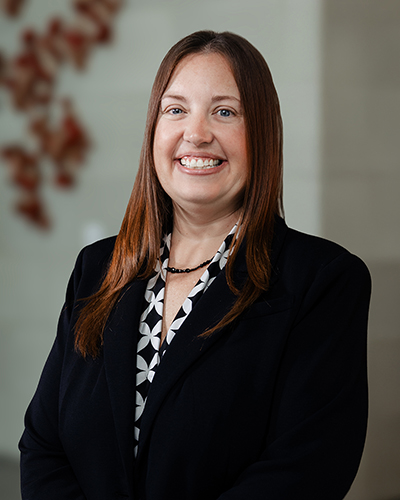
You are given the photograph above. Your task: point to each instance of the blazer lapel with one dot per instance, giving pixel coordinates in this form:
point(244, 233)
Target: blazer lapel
point(120, 341)
point(186, 346)
point(185, 349)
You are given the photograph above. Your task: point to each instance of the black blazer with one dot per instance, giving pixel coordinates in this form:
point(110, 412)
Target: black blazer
point(271, 407)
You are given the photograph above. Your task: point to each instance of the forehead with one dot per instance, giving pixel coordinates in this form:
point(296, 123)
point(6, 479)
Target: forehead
point(211, 70)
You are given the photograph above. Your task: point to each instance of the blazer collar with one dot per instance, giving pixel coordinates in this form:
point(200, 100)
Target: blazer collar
point(279, 235)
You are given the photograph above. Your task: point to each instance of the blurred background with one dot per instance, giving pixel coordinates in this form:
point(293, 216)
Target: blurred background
point(336, 67)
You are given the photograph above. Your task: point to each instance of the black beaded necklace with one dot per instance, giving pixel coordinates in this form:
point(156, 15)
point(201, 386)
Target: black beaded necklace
point(174, 270)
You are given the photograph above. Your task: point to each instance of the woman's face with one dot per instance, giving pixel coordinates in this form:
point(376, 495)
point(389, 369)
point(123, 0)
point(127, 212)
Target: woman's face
point(199, 144)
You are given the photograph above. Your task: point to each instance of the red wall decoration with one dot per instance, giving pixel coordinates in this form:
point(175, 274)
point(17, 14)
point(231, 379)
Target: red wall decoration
point(30, 80)
point(12, 7)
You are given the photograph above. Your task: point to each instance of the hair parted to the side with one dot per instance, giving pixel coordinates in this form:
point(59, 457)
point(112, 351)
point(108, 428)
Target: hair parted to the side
point(149, 211)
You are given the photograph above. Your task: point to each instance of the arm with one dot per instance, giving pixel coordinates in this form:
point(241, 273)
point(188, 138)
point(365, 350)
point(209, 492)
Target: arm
point(45, 471)
point(317, 427)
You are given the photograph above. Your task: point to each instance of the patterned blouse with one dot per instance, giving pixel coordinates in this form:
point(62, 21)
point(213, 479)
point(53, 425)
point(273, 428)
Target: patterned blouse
point(149, 352)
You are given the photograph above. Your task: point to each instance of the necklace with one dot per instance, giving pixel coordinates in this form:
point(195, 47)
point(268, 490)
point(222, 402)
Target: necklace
point(174, 270)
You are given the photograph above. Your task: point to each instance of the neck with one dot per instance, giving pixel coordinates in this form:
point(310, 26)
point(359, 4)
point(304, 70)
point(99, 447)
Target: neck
point(199, 225)
point(199, 229)
point(196, 238)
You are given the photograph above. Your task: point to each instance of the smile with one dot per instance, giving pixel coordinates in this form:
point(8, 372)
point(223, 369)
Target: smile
point(200, 163)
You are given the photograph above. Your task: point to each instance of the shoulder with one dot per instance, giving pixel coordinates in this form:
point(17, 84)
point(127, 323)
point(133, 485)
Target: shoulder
point(97, 253)
point(90, 268)
point(300, 256)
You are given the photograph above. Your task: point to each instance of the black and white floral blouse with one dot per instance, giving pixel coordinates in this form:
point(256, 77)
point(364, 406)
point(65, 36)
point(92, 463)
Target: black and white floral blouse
point(149, 352)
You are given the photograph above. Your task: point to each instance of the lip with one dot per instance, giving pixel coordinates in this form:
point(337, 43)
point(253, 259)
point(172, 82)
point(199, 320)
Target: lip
point(198, 155)
point(199, 170)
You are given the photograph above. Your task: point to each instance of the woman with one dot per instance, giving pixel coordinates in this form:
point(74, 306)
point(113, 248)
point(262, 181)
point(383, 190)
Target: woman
point(231, 363)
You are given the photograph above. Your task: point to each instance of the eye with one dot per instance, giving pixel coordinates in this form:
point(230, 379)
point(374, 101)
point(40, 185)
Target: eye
point(226, 113)
point(175, 111)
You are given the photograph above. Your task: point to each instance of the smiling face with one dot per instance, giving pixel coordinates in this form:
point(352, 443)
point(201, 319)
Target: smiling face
point(199, 143)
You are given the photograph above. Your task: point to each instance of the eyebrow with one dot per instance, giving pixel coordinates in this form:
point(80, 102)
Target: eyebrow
point(216, 98)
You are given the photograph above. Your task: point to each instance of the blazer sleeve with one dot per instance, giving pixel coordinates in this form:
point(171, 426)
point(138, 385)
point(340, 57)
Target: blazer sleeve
point(45, 471)
point(318, 423)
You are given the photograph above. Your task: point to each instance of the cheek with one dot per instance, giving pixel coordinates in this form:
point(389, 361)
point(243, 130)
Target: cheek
point(165, 139)
point(239, 147)
point(157, 144)
point(162, 155)
point(243, 149)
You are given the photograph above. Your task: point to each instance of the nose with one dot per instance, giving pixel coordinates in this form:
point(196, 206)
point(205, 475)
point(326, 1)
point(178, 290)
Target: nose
point(197, 130)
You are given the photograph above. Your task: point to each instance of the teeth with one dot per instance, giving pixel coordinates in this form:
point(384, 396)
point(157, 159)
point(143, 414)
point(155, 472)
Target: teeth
point(192, 163)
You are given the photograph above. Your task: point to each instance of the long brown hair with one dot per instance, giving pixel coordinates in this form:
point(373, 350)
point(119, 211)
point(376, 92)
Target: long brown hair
point(149, 210)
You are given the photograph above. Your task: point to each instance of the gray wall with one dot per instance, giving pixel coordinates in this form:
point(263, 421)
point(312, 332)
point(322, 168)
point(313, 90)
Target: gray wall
point(360, 202)
point(335, 66)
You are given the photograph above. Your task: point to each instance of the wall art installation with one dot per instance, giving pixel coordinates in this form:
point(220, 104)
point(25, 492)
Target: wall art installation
point(12, 8)
point(30, 80)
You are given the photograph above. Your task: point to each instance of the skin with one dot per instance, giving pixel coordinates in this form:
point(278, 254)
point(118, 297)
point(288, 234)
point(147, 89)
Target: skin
point(201, 118)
